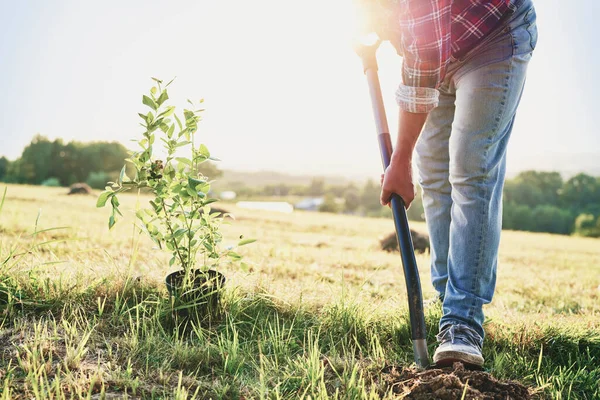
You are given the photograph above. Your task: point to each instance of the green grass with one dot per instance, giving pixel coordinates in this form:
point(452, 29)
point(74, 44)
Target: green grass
point(84, 312)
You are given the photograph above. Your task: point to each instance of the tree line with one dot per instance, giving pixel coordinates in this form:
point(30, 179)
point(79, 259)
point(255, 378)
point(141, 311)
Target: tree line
point(56, 163)
point(533, 201)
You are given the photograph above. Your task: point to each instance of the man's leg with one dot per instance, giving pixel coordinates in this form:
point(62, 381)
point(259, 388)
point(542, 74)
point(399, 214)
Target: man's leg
point(432, 161)
point(486, 103)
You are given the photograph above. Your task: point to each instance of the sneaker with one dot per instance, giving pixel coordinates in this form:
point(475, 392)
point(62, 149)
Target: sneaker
point(458, 343)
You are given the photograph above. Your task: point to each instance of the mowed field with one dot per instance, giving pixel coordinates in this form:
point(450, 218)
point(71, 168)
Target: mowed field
point(319, 312)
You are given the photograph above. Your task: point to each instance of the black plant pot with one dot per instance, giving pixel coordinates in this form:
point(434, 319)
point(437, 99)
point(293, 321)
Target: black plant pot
point(200, 297)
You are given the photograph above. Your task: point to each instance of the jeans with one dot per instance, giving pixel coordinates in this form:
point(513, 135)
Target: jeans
point(461, 159)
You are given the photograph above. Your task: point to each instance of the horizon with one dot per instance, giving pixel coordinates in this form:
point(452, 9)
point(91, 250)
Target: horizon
point(296, 97)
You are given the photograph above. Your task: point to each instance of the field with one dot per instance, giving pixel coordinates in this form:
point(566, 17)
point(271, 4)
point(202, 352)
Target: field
point(320, 312)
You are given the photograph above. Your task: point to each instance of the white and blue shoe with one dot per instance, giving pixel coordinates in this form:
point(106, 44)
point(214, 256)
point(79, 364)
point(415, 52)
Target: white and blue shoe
point(458, 343)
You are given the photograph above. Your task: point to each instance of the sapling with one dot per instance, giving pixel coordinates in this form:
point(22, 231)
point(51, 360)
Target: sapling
point(178, 218)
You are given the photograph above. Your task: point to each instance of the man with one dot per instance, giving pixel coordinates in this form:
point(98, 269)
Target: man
point(463, 74)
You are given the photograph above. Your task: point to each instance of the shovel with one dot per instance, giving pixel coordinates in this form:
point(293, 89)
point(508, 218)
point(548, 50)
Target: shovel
point(411, 273)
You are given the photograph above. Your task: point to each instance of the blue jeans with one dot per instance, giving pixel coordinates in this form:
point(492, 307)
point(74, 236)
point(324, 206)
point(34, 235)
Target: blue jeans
point(461, 158)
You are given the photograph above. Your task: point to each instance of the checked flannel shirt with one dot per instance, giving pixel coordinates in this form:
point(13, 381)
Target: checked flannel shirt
point(433, 32)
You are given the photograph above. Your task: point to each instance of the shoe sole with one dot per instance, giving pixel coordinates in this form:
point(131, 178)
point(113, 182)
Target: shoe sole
point(447, 358)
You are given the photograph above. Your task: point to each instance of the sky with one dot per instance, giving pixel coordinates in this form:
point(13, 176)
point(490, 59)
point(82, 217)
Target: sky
point(283, 89)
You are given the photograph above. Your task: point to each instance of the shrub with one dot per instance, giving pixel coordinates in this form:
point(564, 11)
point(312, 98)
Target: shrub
point(52, 182)
point(98, 180)
point(552, 219)
point(587, 225)
point(329, 204)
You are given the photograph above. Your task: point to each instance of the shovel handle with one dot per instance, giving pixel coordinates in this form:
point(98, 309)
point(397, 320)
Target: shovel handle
point(409, 263)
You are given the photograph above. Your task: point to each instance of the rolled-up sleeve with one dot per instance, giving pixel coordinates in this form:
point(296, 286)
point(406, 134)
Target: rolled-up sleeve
point(426, 38)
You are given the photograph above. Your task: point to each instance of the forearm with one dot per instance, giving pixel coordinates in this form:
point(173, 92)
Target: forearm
point(409, 129)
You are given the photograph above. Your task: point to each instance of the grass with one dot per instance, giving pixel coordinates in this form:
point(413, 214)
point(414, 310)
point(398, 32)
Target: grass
point(321, 312)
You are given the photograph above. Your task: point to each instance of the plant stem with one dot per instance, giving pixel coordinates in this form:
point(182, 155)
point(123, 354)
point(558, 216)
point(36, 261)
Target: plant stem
point(168, 221)
point(189, 226)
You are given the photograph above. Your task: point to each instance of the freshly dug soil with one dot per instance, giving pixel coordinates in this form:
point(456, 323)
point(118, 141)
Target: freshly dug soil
point(420, 242)
point(449, 384)
point(80, 188)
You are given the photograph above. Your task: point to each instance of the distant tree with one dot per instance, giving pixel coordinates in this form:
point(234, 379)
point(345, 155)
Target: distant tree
point(329, 204)
point(517, 217)
point(581, 194)
point(13, 172)
point(210, 170)
point(280, 189)
point(35, 161)
point(106, 157)
point(4, 165)
point(51, 182)
point(99, 179)
point(336, 190)
point(547, 218)
point(317, 187)
point(520, 193)
point(69, 163)
point(370, 195)
point(351, 199)
point(299, 190)
point(587, 225)
point(585, 221)
point(416, 212)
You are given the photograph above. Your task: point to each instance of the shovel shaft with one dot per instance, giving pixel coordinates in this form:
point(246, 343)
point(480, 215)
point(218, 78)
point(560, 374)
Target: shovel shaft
point(409, 263)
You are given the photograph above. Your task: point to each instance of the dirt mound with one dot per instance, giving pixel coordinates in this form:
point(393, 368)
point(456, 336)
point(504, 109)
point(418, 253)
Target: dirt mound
point(420, 242)
point(450, 383)
point(80, 188)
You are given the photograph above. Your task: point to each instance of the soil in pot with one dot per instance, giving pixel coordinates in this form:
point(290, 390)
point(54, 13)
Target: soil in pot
point(200, 298)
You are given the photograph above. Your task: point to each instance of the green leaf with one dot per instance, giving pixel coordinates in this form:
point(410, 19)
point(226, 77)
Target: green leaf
point(111, 222)
point(103, 198)
point(153, 90)
point(168, 112)
point(149, 102)
point(246, 241)
point(178, 122)
point(123, 176)
point(184, 143)
point(233, 255)
point(179, 232)
point(140, 215)
point(193, 182)
point(183, 160)
point(171, 81)
point(203, 150)
point(244, 267)
point(157, 80)
point(114, 202)
point(163, 97)
point(170, 131)
point(191, 192)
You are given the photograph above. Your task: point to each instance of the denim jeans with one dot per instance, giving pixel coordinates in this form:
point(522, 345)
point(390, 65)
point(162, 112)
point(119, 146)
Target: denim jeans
point(461, 159)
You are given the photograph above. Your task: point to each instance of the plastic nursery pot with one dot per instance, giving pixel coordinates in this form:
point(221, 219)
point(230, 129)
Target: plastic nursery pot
point(202, 295)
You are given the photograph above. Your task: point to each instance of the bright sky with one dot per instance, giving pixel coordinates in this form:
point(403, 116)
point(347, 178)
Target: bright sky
point(283, 88)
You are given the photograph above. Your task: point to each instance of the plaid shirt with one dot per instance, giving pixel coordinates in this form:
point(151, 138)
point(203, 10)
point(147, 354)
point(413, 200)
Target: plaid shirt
point(433, 32)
